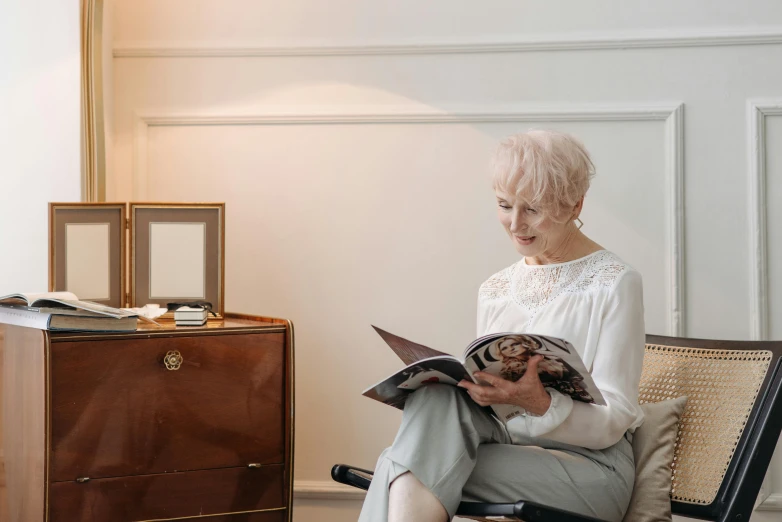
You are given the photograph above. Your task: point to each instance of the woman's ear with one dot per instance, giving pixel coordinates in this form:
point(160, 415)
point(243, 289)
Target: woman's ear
point(578, 207)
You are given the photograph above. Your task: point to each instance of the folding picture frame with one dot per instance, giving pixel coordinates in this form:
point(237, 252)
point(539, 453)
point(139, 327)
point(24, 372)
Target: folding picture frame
point(87, 251)
point(177, 253)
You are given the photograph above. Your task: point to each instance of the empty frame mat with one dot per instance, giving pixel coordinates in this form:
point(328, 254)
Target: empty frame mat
point(177, 254)
point(87, 251)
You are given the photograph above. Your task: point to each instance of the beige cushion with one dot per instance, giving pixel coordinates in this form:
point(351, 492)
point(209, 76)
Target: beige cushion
point(653, 445)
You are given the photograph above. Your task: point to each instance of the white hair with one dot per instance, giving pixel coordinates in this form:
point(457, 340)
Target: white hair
point(550, 170)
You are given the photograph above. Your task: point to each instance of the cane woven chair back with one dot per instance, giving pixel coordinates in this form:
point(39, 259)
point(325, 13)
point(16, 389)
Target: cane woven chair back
point(721, 386)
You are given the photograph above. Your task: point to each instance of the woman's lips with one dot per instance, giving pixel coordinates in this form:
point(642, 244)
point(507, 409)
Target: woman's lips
point(525, 240)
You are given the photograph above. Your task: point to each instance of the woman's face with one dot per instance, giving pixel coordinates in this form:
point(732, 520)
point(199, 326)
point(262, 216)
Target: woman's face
point(511, 347)
point(531, 235)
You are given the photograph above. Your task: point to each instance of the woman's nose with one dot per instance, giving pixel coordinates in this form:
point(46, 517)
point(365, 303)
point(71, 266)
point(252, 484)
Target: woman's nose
point(517, 224)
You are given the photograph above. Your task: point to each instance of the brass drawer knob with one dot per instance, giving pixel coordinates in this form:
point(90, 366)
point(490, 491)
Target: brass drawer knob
point(254, 465)
point(173, 360)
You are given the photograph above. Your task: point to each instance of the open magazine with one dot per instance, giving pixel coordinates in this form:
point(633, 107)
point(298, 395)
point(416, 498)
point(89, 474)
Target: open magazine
point(63, 311)
point(501, 354)
point(65, 303)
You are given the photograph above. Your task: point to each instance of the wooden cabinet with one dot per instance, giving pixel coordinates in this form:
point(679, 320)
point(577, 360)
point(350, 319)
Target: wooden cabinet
point(171, 423)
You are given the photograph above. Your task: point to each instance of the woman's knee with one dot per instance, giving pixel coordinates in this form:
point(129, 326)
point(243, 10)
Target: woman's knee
point(435, 393)
point(382, 456)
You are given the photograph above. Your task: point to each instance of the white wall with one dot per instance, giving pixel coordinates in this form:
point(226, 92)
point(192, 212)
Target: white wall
point(350, 142)
point(39, 132)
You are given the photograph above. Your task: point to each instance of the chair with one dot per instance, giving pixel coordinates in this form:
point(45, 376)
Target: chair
point(726, 437)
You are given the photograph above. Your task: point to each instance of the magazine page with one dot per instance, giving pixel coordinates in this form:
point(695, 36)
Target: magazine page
point(408, 351)
point(53, 300)
point(97, 308)
point(480, 341)
point(395, 389)
point(506, 355)
point(27, 299)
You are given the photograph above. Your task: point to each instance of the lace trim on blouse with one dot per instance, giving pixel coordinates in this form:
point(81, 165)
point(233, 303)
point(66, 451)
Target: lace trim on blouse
point(532, 287)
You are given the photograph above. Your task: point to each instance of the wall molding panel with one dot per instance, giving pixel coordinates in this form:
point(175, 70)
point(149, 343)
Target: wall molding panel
point(671, 114)
point(585, 42)
point(674, 170)
point(757, 112)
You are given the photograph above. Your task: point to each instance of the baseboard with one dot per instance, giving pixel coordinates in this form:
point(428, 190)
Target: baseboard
point(772, 503)
point(325, 490)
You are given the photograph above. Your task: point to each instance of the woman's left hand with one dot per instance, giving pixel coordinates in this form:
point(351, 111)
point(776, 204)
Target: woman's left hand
point(528, 392)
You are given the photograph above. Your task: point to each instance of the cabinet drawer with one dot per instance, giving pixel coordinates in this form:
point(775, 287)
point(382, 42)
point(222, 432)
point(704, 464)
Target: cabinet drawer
point(116, 410)
point(171, 495)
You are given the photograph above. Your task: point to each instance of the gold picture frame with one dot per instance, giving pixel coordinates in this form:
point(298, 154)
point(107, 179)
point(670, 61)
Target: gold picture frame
point(87, 251)
point(177, 253)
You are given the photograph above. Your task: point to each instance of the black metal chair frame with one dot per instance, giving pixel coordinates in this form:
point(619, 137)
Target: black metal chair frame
point(740, 486)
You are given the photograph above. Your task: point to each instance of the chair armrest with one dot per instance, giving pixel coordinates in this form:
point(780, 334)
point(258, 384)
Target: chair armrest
point(352, 476)
point(522, 510)
point(483, 509)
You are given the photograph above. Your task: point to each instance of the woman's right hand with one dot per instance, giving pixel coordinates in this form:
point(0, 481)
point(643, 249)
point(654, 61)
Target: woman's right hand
point(528, 392)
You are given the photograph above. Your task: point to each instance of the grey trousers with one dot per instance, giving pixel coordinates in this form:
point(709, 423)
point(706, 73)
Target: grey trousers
point(460, 452)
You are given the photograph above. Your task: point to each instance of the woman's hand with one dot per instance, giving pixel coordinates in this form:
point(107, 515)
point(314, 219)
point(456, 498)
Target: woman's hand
point(528, 392)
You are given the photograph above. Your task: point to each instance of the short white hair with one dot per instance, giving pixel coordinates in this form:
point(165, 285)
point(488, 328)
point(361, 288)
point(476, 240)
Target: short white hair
point(551, 170)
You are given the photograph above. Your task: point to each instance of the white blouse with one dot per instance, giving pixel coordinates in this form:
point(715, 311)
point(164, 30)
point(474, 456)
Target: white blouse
point(595, 303)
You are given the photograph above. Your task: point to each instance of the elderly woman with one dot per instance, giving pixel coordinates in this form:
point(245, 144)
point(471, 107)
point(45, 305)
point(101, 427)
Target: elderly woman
point(572, 455)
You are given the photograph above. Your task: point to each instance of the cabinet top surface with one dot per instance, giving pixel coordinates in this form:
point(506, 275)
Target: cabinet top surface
point(231, 324)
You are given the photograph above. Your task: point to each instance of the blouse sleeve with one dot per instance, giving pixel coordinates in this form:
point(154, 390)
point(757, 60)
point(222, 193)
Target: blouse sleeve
point(616, 371)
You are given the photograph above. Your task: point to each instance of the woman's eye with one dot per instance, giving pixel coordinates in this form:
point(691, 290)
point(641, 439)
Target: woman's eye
point(532, 211)
point(504, 206)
